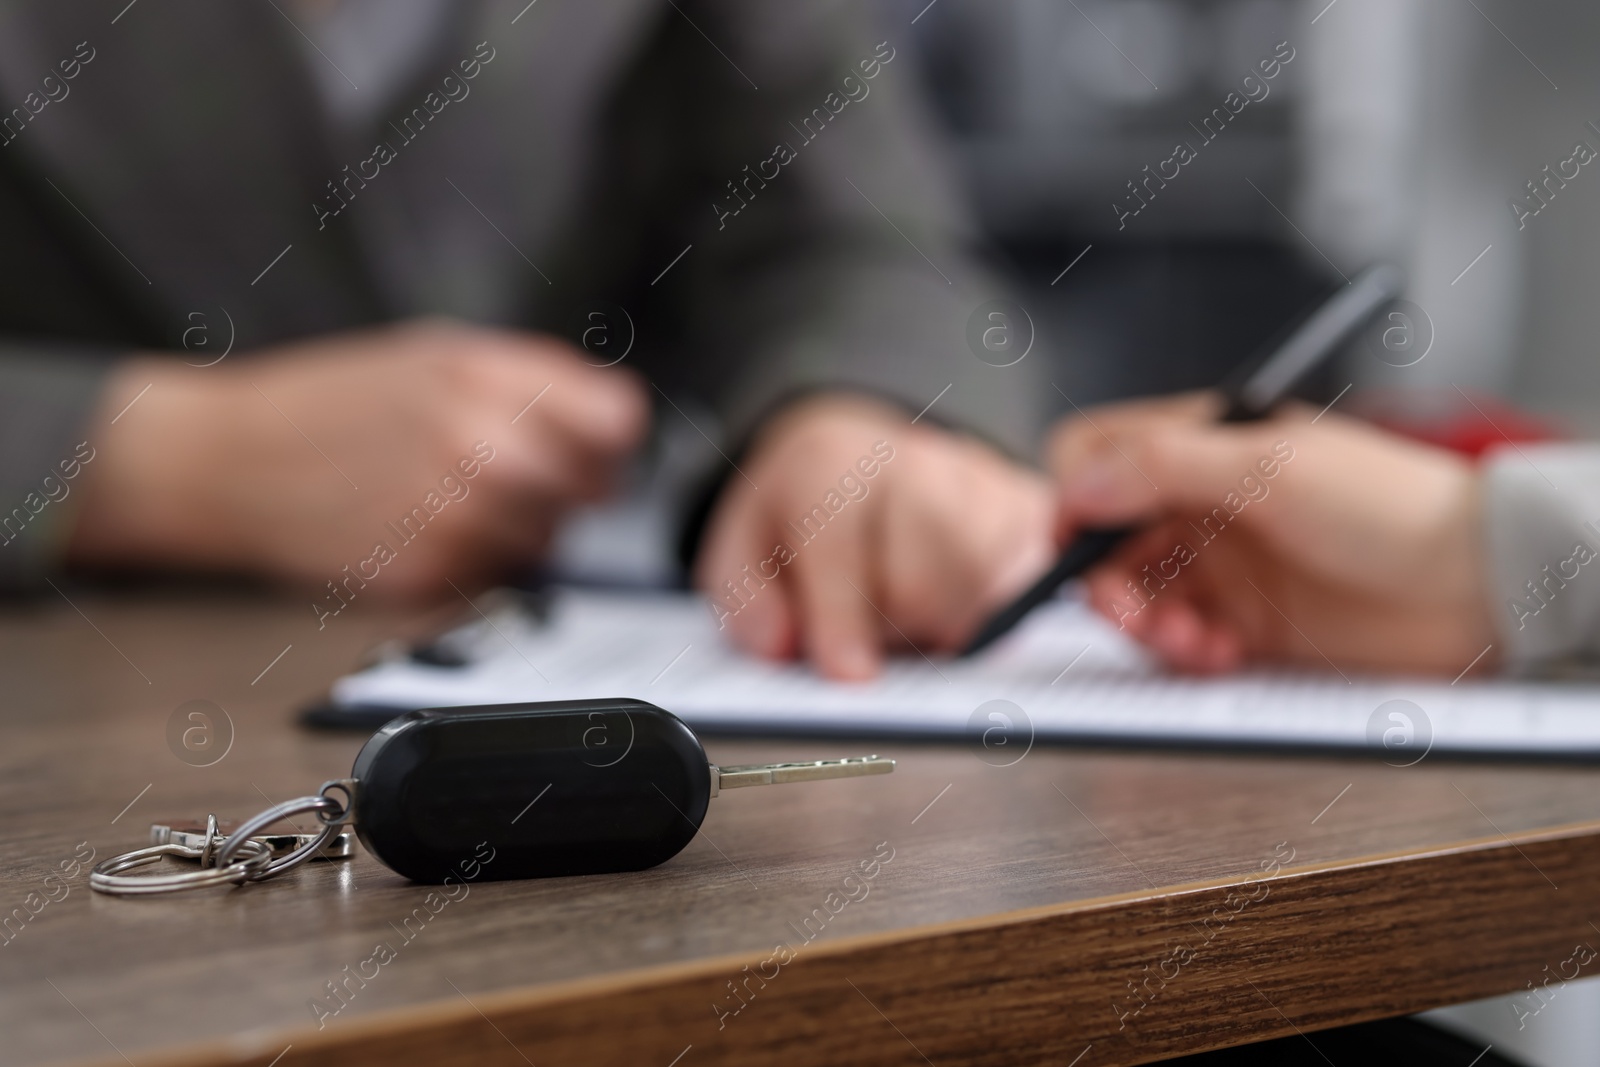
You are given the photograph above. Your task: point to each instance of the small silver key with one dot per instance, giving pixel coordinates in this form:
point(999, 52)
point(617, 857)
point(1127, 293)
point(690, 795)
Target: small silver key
point(784, 773)
point(205, 838)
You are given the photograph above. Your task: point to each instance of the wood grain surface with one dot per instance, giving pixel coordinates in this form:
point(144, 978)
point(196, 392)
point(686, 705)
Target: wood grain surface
point(1115, 906)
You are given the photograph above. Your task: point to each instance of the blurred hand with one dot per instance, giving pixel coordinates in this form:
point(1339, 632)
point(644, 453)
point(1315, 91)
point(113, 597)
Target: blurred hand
point(867, 531)
point(255, 465)
point(1280, 541)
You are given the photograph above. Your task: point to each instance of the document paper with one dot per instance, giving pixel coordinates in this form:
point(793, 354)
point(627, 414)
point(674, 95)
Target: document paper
point(1065, 674)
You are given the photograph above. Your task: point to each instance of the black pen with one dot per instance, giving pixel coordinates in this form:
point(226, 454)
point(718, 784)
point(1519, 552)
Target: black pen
point(1251, 394)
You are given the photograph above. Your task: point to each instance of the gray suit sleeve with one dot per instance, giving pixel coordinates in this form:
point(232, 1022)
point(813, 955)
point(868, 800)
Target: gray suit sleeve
point(871, 267)
point(820, 241)
point(46, 397)
point(1542, 532)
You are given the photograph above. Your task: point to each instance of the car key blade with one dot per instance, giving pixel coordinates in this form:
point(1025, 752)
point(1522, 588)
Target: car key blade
point(784, 773)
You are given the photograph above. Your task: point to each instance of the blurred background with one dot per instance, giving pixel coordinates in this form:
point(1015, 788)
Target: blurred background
point(1401, 129)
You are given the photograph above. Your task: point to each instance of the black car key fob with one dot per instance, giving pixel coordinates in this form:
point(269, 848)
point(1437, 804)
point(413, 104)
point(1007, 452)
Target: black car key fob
point(546, 789)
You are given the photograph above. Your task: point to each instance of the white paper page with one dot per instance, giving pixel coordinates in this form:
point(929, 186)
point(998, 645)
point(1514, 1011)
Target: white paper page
point(1071, 674)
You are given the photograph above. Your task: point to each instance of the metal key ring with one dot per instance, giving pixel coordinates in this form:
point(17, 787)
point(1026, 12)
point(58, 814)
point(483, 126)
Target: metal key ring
point(330, 812)
point(107, 876)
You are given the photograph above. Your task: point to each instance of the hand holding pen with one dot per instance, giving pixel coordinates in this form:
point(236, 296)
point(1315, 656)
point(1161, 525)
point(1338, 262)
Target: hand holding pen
point(1254, 392)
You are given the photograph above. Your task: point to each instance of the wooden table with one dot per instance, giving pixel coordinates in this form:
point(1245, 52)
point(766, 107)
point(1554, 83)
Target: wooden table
point(1088, 907)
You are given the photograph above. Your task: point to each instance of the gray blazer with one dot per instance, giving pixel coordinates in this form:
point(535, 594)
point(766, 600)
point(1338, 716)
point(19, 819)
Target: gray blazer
point(750, 180)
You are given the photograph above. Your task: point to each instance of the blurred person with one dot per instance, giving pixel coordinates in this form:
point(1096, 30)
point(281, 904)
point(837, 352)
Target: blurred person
point(285, 286)
point(1318, 541)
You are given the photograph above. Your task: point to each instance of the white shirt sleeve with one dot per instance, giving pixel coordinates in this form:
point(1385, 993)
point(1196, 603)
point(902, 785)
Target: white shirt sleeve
point(1541, 513)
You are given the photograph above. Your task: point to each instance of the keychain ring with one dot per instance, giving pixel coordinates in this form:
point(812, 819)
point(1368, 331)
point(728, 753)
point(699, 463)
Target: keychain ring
point(241, 837)
point(342, 813)
point(108, 877)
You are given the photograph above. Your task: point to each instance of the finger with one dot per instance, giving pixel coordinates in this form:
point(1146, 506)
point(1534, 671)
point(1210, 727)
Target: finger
point(509, 537)
point(1087, 433)
point(548, 465)
point(1151, 565)
point(1171, 469)
point(1179, 634)
point(1224, 648)
point(1110, 593)
point(1186, 597)
point(1177, 627)
point(604, 409)
point(766, 622)
point(840, 624)
point(959, 532)
point(1187, 639)
point(740, 570)
point(1017, 548)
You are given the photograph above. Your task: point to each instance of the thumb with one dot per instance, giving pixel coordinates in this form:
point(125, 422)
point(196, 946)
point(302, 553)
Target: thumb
point(601, 409)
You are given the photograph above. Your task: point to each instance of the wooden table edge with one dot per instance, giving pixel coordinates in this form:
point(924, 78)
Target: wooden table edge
point(446, 1012)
